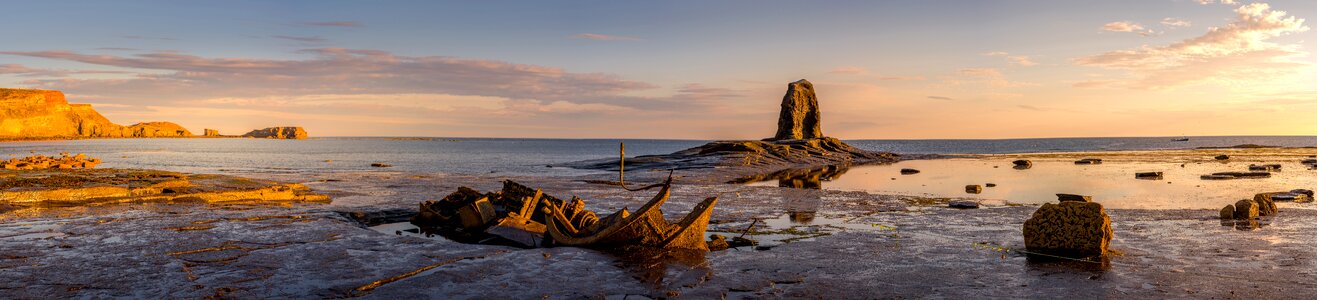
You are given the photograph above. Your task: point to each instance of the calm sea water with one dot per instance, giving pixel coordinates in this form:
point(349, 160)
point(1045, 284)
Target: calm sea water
point(508, 156)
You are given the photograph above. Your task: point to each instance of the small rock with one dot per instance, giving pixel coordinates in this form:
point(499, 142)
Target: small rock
point(1089, 161)
point(1246, 210)
point(1302, 191)
point(963, 204)
point(381, 165)
point(1222, 157)
point(909, 171)
point(1148, 175)
point(1023, 163)
point(974, 189)
point(1073, 198)
point(1228, 213)
point(991, 185)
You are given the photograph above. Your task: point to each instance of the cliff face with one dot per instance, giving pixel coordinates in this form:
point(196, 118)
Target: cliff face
point(46, 114)
point(292, 133)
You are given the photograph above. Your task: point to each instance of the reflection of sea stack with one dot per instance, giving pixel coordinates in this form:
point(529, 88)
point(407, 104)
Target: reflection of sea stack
point(800, 115)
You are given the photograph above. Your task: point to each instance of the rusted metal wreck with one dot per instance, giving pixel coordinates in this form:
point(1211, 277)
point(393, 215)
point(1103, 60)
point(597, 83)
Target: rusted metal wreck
point(521, 216)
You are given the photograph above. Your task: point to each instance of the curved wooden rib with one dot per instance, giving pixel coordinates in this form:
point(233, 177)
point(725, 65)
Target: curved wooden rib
point(641, 214)
point(690, 231)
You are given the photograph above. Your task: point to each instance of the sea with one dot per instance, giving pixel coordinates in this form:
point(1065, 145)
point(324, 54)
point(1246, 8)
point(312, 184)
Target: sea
point(515, 156)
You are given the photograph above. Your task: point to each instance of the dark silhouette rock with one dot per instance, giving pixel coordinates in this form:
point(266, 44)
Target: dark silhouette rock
point(1089, 161)
point(1222, 157)
point(1022, 164)
point(909, 171)
point(963, 204)
point(799, 118)
point(1228, 212)
point(1148, 175)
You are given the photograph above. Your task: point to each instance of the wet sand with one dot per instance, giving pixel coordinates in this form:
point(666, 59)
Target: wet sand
point(834, 243)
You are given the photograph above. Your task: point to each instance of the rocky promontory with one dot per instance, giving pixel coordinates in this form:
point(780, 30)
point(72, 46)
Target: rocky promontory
point(43, 114)
point(798, 143)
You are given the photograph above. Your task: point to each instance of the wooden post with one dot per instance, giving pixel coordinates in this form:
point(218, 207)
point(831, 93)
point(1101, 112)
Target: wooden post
point(621, 164)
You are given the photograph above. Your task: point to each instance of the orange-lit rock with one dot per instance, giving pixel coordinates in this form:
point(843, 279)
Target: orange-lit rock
point(47, 114)
point(292, 133)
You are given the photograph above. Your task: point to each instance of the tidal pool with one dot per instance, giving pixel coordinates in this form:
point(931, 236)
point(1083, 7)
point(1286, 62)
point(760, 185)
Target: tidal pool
point(1111, 183)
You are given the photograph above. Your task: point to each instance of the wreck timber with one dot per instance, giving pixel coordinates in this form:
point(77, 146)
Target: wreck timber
point(645, 227)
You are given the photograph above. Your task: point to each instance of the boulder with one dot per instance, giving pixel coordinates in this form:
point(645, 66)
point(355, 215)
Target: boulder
point(1266, 204)
point(1070, 229)
point(1246, 210)
point(1228, 213)
point(292, 133)
point(1073, 198)
point(799, 118)
point(974, 189)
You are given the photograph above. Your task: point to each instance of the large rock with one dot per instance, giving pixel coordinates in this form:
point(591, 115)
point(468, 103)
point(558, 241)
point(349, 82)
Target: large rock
point(292, 133)
point(47, 114)
point(1246, 210)
point(799, 118)
point(1071, 229)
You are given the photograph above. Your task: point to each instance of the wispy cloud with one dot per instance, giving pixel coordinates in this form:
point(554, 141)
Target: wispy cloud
point(24, 71)
point(1128, 26)
point(303, 39)
point(849, 70)
point(1019, 60)
point(1240, 50)
point(1226, 2)
point(334, 24)
point(1173, 22)
point(604, 37)
point(991, 76)
point(940, 98)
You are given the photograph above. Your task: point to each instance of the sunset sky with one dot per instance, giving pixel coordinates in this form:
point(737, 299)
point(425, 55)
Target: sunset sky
point(677, 69)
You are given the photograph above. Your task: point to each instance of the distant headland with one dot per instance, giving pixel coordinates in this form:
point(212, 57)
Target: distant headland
point(43, 114)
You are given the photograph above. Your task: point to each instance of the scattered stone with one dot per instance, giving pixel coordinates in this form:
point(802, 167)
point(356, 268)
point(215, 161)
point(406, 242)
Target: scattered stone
point(381, 165)
point(1089, 161)
point(1073, 198)
point(1264, 168)
point(909, 171)
point(1266, 204)
point(991, 185)
point(1222, 157)
point(1228, 213)
point(1069, 229)
point(1310, 161)
point(1246, 209)
point(1307, 192)
point(1216, 177)
point(963, 204)
point(1148, 175)
point(974, 189)
point(1289, 196)
point(1022, 164)
point(42, 162)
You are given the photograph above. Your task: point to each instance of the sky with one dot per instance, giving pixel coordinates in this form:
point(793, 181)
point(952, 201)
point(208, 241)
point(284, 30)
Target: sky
point(934, 69)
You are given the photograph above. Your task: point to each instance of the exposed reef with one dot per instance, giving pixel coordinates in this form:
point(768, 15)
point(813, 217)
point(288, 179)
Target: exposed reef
point(43, 114)
point(83, 187)
point(799, 143)
point(291, 133)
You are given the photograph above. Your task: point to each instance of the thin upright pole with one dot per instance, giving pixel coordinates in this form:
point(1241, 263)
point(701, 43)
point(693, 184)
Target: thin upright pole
point(621, 163)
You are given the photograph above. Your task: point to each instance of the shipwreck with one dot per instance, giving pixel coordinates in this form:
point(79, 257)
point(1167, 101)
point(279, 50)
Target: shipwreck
point(524, 217)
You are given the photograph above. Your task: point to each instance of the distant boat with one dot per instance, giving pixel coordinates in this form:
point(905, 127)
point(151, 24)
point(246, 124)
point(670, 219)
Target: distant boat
point(1183, 139)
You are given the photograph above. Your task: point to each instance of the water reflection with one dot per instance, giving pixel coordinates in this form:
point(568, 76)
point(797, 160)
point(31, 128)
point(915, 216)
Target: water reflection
point(799, 178)
point(1112, 183)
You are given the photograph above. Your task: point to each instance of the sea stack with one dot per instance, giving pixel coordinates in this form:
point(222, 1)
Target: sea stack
point(800, 116)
